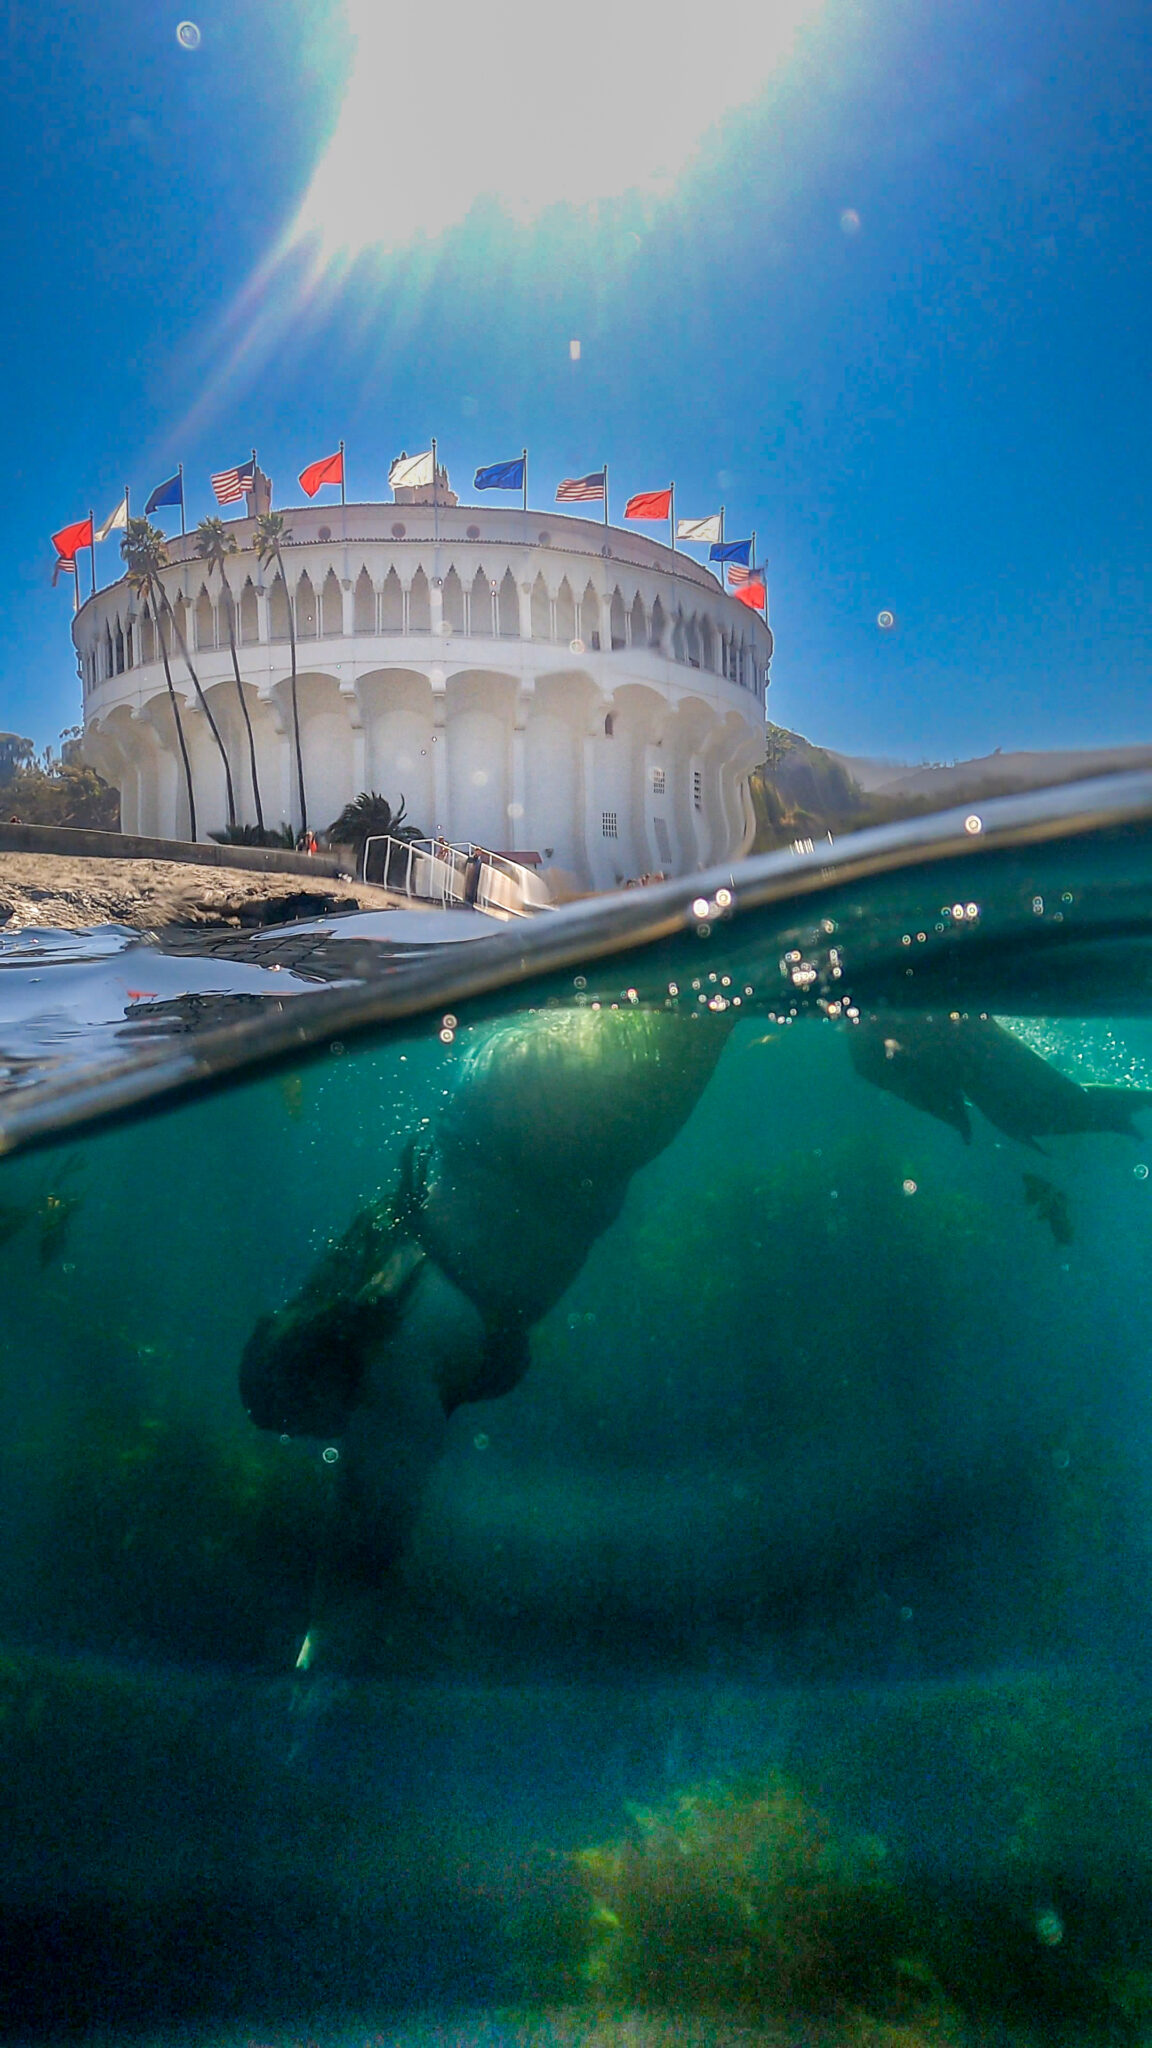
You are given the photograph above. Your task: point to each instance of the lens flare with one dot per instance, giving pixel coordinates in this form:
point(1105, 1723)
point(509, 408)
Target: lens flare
point(525, 105)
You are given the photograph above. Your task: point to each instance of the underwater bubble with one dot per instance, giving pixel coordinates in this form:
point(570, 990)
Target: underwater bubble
point(480, 1440)
point(1061, 1460)
point(1140, 1172)
point(284, 1437)
point(337, 1047)
point(700, 907)
point(330, 1454)
point(724, 898)
point(850, 221)
point(580, 981)
point(973, 824)
point(885, 620)
point(909, 1187)
point(447, 1037)
point(449, 1022)
point(188, 35)
point(1038, 905)
point(905, 1614)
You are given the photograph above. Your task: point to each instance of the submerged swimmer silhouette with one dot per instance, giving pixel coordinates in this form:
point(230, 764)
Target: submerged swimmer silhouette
point(427, 1301)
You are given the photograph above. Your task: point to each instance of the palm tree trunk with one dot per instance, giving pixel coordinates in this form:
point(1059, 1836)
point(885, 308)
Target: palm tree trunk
point(159, 618)
point(295, 705)
point(204, 706)
point(243, 700)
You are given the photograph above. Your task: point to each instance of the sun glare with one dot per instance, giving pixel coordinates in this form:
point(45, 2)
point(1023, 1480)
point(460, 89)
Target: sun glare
point(526, 103)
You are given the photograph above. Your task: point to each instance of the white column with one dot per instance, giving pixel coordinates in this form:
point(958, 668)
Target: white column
point(524, 593)
point(348, 606)
point(439, 744)
point(524, 701)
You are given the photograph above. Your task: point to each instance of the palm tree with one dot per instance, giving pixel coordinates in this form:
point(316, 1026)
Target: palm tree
point(204, 706)
point(370, 816)
point(146, 552)
point(271, 536)
point(214, 544)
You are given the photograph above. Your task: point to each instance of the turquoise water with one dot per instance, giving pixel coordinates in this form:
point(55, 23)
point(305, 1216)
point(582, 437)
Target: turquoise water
point(772, 1652)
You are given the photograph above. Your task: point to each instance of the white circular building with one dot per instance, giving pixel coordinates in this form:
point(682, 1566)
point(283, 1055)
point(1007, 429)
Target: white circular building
point(527, 681)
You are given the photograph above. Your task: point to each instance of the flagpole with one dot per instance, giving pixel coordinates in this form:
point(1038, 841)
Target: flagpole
point(605, 494)
point(343, 499)
point(672, 516)
point(127, 507)
point(180, 473)
point(435, 498)
point(720, 564)
point(75, 587)
point(524, 477)
point(91, 547)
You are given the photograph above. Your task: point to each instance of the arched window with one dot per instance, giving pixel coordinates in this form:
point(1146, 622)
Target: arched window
point(658, 626)
point(332, 607)
point(692, 643)
point(307, 610)
point(147, 638)
point(391, 604)
point(129, 646)
point(707, 645)
point(638, 622)
point(565, 613)
point(590, 617)
point(107, 650)
point(278, 610)
point(452, 598)
point(249, 616)
point(541, 610)
point(678, 639)
point(419, 605)
point(205, 620)
point(178, 624)
point(119, 648)
point(364, 603)
point(508, 607)
point(619, 620)
point(480, 607)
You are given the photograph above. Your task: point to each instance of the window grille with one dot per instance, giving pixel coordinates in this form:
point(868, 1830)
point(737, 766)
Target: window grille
point(611, 828)
point(658, 779)
point(697, 789)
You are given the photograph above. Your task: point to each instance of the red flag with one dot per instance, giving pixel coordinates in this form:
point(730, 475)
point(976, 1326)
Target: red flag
point(649, 505)
point(754, 595)
point(71, 539)
point(329, 471)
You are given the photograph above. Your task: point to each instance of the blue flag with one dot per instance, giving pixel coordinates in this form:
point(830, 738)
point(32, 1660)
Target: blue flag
point(731, 551)
point(170, 493)
point(500, 476)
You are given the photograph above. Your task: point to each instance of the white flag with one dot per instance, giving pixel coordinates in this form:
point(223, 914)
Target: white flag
point(410, 470)
point(118, 518)
point(699, 529)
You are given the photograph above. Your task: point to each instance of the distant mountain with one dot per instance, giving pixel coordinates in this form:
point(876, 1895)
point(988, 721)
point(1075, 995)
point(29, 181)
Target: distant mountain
point(806, 792)
point(995, 774)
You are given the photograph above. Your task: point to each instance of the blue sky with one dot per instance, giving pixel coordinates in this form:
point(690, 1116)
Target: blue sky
point(894, 313)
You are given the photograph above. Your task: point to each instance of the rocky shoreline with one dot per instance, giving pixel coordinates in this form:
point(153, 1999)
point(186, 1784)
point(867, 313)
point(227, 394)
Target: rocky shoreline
point(66, 892)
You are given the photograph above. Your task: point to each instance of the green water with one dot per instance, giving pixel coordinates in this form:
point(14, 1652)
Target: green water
point(773, 1653)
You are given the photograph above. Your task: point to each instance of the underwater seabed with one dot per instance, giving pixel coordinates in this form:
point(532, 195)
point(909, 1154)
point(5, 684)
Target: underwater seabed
point(766, 1655)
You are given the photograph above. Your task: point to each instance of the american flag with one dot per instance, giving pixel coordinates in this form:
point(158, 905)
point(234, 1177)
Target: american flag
point(738, 576)
point(577, 489)
point(230, 485)
point(65, 566)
